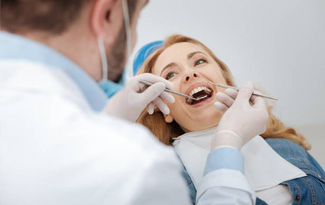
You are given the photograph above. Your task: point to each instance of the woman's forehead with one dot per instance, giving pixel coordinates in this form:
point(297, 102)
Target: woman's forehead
point(177, 52)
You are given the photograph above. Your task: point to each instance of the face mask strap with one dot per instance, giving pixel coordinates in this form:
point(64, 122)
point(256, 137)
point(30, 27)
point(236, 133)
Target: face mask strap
point(128, 34)
point(103, 58)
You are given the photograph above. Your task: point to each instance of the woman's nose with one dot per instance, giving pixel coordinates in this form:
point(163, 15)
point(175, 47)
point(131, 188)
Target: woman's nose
point(190, 76)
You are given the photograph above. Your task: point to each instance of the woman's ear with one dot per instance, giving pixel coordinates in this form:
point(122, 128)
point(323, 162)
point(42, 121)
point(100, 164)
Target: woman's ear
point(169, 118)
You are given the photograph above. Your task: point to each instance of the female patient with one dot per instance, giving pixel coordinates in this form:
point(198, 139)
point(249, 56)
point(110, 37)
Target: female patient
point(189, 127)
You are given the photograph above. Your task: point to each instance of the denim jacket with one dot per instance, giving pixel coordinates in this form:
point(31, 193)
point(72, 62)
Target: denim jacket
point(305, 190)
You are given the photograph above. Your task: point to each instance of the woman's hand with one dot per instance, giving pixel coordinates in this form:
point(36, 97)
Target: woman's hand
point(245, 116)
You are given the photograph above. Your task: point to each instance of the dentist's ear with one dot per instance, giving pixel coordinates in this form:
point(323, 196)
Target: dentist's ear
point(106, 19)
point(169, 118)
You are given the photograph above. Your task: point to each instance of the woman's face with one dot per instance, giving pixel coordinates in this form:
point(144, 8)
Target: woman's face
point(189, 67)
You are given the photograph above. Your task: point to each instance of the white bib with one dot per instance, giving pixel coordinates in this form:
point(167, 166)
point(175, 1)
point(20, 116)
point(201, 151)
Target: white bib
point(264, 168)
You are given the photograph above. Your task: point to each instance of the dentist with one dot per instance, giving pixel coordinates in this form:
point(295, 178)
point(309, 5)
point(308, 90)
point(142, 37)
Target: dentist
point(61, 142)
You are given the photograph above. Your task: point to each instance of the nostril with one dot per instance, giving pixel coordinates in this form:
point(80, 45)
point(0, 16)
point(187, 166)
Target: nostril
point(187, 78)
point(194, 74)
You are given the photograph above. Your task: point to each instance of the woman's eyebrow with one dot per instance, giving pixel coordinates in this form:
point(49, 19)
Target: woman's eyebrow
point(167, 66)
point(190, 55)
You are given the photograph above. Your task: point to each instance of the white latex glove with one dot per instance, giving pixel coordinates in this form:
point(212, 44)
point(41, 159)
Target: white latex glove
point(129, 103)
point(245, 119)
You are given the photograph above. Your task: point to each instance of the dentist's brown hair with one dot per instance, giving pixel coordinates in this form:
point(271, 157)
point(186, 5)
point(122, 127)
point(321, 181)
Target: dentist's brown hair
point(165, 132)
point(51, 16)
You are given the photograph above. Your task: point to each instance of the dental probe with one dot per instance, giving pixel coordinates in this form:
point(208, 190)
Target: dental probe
point(254, 93)
point(172, 91)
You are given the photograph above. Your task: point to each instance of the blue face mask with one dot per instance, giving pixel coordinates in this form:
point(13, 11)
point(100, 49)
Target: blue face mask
point(110, 88)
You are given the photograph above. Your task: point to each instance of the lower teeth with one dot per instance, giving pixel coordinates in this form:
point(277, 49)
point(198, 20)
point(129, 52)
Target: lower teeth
point(200, 98)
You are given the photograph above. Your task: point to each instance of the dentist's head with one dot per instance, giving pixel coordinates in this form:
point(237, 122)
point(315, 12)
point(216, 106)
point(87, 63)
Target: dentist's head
point(92, 33)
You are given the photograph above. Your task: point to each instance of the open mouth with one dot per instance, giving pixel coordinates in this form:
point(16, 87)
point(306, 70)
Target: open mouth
point(201, 93)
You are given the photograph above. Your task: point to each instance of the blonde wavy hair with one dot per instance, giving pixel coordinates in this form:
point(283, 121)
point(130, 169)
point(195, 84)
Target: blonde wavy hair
point(166, 131)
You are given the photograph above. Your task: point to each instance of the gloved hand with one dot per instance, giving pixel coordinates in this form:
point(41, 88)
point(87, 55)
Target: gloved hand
point(130, 102)
point(245, 119)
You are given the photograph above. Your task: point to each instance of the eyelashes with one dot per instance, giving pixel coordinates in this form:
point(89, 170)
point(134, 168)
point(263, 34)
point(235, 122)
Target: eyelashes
point(170, 75)
point(198, 62)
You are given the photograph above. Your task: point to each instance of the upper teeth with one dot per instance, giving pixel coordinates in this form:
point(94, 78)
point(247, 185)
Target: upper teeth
point(198, 89)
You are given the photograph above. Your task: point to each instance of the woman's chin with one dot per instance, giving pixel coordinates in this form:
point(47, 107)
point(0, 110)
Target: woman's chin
point(200, 126)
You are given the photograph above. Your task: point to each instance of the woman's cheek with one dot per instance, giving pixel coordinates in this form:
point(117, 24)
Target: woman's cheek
point(176, 104)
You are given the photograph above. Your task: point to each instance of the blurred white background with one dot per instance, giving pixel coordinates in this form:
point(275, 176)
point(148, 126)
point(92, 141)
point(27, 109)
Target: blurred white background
point(279, 45)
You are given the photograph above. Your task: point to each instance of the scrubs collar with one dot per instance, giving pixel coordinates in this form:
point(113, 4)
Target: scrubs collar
point(16, 47)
